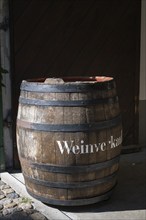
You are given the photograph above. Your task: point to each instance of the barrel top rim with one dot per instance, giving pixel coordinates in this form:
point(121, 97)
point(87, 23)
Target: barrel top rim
point(73, 80)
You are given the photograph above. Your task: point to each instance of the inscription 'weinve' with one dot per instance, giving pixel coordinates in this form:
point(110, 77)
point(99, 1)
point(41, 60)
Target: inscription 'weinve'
point(88, 148)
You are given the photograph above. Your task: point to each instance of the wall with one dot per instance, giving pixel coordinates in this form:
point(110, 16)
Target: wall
point(6, 91)
point(81, 57)
point(85, 38)
point(142, 92)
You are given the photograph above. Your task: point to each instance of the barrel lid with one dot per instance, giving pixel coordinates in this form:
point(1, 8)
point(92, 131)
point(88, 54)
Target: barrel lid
point(68, 84)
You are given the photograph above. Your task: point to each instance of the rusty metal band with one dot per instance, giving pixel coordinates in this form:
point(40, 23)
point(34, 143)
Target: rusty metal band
point(74, 202)
point(70, 103)
point(69, 127)
point(67, 87)
point(71, 185)
point(69, 169)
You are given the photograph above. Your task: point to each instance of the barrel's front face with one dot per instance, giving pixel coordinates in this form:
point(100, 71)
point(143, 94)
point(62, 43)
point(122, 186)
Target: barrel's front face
point(69, 137)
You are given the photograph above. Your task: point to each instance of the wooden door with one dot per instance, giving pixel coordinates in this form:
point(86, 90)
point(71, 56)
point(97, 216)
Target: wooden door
point(76, 37)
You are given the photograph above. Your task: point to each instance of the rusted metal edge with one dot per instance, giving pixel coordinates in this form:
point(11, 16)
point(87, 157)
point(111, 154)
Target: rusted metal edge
point(70, 103)
point(75, 202)
point(71, 185)
point(68, 169)
point(70, 127)
point(67, 87)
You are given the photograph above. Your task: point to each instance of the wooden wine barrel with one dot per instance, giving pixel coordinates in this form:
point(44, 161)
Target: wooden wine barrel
point(69, 136)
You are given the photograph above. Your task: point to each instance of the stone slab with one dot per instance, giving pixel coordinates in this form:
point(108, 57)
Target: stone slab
point(50, 212)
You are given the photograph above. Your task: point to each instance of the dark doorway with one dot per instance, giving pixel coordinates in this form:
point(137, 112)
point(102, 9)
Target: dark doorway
point(76, 37)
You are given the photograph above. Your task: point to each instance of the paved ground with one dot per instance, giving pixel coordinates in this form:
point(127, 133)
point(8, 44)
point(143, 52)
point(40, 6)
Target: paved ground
point(127, 202)
point(129, 198)
point(15, 207)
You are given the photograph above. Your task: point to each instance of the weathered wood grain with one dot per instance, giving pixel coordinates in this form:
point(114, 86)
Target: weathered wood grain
point(57, 163)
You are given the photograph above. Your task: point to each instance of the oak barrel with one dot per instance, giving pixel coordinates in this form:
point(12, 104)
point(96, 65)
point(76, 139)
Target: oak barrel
point(69, 136)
